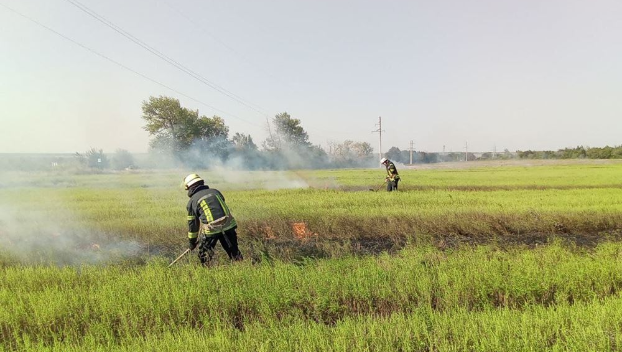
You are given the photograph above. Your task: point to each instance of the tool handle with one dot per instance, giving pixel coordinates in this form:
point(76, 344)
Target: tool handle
point(181, 256)
point(385, 182)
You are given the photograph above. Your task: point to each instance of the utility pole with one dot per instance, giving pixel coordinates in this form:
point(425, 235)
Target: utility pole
point(466, 151)
point(379, 130)
point(494, 152)
point(412, 144)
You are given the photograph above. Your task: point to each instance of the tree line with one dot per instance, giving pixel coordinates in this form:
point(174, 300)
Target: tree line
point(419, 157)
point(579, 152)
point(184, 137)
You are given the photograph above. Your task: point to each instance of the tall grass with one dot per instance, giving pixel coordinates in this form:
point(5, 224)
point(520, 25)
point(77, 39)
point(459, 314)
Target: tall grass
point(442, 293)
point(582, 203)
point(119, 306)
point(592, 326)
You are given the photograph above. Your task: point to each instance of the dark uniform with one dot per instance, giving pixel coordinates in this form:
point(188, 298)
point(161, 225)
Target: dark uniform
point(209, 217)
point(393, 176)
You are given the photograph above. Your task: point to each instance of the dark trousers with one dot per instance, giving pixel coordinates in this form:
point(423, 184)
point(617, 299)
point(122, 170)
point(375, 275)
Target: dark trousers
point(392, 185)
point(228, 241)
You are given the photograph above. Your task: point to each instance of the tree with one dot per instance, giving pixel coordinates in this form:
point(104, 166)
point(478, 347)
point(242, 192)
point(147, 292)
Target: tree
point(169, 122)
point(506, 155)
point(245, 153)
point(210, 138)
point(177, 129)
point(288, 133)
point(394, 154)
point(243, 142)
point(487, 156)
point(207, 129)
point(579, 152)
point(288, 145)
point(350, 153)
point(93, 158)
point(405, 156)
point(363, 150)
point(122, 159)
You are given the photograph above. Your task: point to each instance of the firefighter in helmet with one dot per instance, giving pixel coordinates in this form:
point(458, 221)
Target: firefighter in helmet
point(209, 221)
point(393, 176)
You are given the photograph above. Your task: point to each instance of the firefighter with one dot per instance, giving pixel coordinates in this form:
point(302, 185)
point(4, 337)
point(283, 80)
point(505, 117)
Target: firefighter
point(393, 176)
point(209, 221)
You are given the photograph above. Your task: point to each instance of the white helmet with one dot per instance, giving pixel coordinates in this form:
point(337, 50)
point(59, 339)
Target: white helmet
point(383, 160)
point(191, 179)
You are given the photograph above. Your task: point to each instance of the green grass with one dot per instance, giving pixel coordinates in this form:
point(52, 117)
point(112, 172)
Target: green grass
point(580, 202)
point(487, 258)
point(580, 327)
point(465, 299)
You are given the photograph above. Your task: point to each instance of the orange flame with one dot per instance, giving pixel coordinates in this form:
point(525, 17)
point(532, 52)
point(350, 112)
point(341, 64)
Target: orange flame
point(301, 231)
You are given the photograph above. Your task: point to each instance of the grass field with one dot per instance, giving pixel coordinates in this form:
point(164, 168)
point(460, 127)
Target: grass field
point(484, 257)
point(338, 213)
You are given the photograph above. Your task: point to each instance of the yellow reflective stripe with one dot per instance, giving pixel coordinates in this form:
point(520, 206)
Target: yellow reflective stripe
point(208, 213)
point(205, 231)
point(392, 171)
point(193, 234)
point(233, 223)
point(223, 205)
point(190, 217)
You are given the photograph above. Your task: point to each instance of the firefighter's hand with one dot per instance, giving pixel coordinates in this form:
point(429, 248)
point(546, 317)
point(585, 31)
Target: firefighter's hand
point(192, 243)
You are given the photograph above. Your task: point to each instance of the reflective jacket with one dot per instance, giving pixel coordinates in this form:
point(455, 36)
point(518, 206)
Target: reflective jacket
point(392, 171)
point(208, 212)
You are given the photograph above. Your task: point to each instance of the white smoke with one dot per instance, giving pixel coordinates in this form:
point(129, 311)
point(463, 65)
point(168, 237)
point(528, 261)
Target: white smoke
point(28, 237)
point(233, 171)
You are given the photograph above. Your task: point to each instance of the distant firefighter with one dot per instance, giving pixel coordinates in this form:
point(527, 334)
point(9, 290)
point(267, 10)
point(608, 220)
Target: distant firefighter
point(210, 217)
point(393, 176)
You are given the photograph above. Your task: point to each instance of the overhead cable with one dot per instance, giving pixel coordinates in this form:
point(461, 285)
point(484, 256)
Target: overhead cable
point(164, 57)
point(123, 66)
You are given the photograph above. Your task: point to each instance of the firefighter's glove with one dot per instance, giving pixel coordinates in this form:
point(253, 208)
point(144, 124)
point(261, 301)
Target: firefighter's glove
point(192, 243)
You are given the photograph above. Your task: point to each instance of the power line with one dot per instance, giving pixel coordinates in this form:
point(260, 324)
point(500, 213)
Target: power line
point(171, 61)
point(165, 58)
point(128, 68)
point(242, 56)
point(230, 48)
point(122, 65)
point(137, 41)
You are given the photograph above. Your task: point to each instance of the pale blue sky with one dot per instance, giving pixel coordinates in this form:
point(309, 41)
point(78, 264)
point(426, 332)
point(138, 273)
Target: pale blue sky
point(515, 74)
